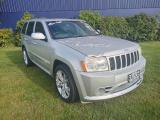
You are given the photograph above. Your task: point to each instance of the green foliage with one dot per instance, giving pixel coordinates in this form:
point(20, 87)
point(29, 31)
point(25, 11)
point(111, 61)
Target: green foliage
point(142, 27)
point(136, 28)
point(19, 25)
point(25, 17)
point(158, 33)
point(6, 37)
point(115, 26)
point(92, 18)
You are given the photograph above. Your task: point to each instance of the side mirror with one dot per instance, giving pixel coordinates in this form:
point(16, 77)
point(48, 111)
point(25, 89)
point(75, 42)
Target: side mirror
point(98, 31)
point(38, 36)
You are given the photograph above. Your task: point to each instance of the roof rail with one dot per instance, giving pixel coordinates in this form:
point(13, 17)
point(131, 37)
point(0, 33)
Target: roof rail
point(37, 17)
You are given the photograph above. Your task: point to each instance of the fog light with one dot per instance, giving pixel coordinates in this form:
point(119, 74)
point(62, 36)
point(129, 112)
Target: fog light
point(102, 90)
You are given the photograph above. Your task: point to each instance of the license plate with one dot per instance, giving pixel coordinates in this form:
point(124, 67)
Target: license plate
point(134, 76)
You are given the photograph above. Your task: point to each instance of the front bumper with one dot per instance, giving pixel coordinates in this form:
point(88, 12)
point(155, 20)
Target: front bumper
point(109, 84)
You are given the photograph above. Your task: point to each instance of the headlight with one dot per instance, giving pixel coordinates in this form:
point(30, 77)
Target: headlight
point(92, 64)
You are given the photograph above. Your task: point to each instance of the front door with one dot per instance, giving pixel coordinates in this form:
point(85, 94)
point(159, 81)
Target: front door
point(41, 48)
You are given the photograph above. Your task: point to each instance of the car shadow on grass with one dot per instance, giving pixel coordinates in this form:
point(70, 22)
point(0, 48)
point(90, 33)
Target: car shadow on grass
point(32, 73)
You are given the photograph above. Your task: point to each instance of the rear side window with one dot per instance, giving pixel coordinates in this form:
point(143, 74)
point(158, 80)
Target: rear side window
point(30, 28)
point(39, 28)
point(24, 28)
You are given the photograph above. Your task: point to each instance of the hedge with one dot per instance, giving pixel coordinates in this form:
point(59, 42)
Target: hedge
point(92, 18)
point(115, 26)
point(6, 37)
point(142, 27)
point(135, 28)
point(19, 25)
point(158, 33)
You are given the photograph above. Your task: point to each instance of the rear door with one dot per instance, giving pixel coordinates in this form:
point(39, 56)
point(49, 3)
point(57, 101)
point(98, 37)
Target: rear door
point(23, 33)
point(29, 39)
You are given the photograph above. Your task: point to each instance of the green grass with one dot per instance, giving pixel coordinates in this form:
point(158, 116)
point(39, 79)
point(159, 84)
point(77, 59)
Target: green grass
point(28, 93)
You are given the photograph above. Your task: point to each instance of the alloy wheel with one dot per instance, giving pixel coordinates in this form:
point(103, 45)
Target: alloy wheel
point(62, 84)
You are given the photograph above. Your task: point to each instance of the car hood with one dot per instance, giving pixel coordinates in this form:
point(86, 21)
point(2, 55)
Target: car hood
point(97, 45)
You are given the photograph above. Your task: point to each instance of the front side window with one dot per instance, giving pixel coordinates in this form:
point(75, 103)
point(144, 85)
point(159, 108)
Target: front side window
point(30, 28)
point(70, 29)
point(39, 28)
point(24, 28)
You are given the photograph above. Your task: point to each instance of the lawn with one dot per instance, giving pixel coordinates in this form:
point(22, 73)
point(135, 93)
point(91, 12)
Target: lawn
point(28, 93)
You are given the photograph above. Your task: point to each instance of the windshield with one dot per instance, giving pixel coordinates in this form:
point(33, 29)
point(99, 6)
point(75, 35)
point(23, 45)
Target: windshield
point(70, 29)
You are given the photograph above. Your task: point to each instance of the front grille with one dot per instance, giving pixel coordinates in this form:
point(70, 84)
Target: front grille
point(112, 63)
point(124, 60)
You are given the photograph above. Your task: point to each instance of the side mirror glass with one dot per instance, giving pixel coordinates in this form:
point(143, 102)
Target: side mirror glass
point(38, 36)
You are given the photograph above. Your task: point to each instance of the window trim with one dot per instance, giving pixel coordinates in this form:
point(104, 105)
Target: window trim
point(27, 28)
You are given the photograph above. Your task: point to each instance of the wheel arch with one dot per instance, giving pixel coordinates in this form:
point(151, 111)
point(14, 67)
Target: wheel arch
point(23, 47)
point(58, 62)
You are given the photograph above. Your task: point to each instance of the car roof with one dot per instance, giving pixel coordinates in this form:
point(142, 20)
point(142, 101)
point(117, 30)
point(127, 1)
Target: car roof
point(55, 19)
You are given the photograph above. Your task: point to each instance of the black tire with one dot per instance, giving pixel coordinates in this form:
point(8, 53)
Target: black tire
point(73, 95)
point(26, 58)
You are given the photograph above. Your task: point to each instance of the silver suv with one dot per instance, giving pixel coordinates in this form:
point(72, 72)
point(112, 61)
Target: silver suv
point(84, 64)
